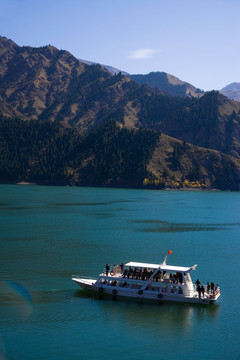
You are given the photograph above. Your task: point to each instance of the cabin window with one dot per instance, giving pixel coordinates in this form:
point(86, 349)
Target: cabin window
point(180, 290)
point(113, 282)
point(125, 284)
point(164, 287)
point(176, 289)
point(102, 281)
point(153, 287)
point(137, 285)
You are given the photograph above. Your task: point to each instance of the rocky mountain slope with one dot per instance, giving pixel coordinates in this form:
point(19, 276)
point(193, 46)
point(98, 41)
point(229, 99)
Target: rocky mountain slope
point(90, 127)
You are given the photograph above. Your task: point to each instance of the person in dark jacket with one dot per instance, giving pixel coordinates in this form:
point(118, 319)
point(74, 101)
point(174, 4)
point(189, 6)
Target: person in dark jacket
point(199, 291)
point(212, 287)
point(107, 269)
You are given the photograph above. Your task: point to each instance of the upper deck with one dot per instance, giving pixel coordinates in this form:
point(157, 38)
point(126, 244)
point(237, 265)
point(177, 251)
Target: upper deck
point(162, 267)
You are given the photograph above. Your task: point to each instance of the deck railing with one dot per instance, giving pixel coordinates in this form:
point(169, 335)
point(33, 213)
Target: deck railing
point(211, 293)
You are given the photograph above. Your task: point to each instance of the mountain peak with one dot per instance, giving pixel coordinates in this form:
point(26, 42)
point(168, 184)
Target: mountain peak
point(6, 45)
point(168, 83)
point(232, 91)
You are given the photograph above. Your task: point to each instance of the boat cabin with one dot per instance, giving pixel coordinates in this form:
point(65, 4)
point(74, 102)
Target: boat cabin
point(150, 277)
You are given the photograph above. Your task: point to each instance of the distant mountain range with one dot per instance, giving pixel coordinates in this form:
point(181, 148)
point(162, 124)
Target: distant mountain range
point(66, 122)
point(232, 91)
point(159, 80)
point(111, 69)
point(168, 83)
point(171, 84)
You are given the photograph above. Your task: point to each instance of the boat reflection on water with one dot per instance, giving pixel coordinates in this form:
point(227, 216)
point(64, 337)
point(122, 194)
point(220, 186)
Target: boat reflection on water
point(164, 316)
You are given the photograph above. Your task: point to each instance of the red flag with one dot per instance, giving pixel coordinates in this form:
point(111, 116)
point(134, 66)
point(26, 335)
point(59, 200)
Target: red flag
point(169, 252)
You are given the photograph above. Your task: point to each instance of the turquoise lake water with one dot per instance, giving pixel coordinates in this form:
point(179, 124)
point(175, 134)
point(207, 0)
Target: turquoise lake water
point(49, 233)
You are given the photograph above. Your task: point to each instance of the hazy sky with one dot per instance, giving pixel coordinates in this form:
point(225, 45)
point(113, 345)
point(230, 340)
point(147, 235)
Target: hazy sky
point(197, 41)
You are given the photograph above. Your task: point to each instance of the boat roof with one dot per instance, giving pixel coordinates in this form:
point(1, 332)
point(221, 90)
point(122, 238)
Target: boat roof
point(162, 267)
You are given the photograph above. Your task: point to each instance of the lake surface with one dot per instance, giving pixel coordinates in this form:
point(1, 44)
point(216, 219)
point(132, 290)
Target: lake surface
point(49, 233)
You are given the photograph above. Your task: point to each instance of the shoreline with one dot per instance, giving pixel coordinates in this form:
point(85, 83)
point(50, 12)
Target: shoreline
point(27, 183)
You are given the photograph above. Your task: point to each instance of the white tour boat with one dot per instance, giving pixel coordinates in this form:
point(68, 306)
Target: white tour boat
point(152, 282)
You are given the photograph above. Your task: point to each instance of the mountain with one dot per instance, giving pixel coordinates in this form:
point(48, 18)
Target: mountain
point(213, 121)
point(110, 155)
point(65, 122)
point(111, 69)
point(168, 83)
point(47, 83)
point(232, 91)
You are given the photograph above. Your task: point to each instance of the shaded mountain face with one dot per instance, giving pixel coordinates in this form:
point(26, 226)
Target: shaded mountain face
point(211, 122)
point(168, 83)
point(232, 91)
point(110, 155)
point(51, 86)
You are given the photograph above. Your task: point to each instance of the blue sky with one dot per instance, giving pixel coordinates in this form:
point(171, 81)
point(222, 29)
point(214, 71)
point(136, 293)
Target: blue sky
point(197, 41)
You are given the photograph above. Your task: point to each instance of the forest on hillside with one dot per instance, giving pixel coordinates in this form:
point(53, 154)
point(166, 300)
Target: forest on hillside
point(40, 151)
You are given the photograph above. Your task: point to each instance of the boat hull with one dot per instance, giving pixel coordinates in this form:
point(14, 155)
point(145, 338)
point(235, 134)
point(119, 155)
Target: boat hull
point(140, 295)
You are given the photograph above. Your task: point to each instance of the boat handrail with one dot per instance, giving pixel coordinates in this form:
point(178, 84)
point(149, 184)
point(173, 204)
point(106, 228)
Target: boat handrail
point(205, 288)
point(207, 294)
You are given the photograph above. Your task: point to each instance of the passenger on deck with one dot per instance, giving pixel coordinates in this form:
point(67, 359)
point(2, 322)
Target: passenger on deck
point(122, 266)
point(208, 287)
point(212, 287)
point(140, 274)
point(199, 291)
point(197, 282)
point(180, 279)
point(202, 291)
point(157, 277)
point(160, 275)
point(107, 269)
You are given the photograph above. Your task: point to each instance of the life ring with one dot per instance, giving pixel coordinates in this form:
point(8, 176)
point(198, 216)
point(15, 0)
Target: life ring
point(100, 289)
point(112, 273)
point(160, 296)
point(114, 292)
point(118, 270)
point(140, 292)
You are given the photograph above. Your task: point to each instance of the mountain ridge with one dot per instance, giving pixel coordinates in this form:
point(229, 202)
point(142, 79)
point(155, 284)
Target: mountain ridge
point(168, 83)
point(50, 86)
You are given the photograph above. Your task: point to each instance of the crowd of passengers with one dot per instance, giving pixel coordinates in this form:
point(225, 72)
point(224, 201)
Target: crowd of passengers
point(209, 288)
point(146, 273)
